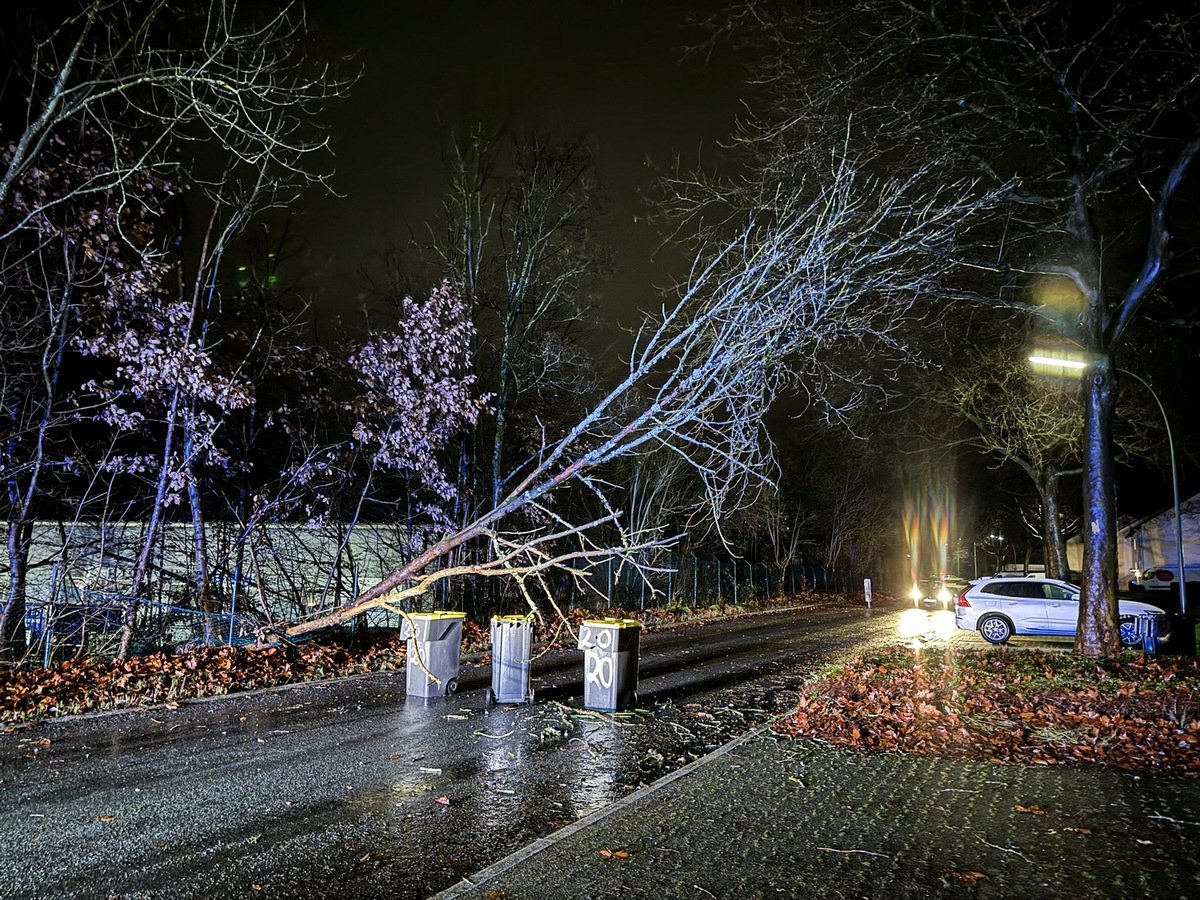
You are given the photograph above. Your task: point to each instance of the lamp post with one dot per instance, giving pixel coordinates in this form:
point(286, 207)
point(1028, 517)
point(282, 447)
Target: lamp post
point(1175, 487)
point(1079, 364)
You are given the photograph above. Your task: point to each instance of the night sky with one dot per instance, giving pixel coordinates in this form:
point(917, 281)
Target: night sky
point(609, 71)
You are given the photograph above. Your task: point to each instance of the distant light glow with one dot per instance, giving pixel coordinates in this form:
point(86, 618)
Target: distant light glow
point(943, 624)
point(913, 623)
point(1058, 363)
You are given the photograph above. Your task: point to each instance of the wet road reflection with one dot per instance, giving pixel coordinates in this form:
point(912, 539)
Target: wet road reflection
point(349, 789)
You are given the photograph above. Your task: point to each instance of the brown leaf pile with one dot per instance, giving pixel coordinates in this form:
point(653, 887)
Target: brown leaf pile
point(1137, 713)
point(91, 685)
point(88, 685)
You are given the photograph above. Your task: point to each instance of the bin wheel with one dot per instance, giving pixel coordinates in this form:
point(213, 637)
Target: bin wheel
point(489, 697)
point(451, 686)
point(531, 695)
point(1130, 634)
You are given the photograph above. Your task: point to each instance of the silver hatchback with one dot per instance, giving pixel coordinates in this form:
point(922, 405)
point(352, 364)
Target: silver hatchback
point(998, 608)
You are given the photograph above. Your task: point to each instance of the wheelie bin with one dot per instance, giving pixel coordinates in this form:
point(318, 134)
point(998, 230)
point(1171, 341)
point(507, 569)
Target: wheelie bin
point(434, 643)
point(512, 648)
point(610, 663)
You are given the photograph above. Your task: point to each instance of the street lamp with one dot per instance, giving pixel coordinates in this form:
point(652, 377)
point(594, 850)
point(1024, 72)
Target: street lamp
point(1080, 364)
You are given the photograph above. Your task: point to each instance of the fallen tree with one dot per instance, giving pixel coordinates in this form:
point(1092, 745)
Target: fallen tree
point(791, 301)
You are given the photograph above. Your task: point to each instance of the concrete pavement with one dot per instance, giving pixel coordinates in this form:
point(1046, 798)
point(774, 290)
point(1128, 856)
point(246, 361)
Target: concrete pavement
point(771, 817)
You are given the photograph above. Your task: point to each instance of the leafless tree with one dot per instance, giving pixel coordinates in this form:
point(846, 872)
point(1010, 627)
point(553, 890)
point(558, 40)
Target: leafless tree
point(208, 71)
point(1080, 116)
point(519, 244)
point(701, 374)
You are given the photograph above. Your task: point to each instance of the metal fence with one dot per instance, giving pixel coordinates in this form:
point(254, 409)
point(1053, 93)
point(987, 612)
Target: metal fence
point(674, 580)
point(88, 622)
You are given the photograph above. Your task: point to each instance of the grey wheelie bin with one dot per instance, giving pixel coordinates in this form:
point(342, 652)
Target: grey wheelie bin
point(434, 642)
point(1171, 634)
point(512, 649)
point(610, 663)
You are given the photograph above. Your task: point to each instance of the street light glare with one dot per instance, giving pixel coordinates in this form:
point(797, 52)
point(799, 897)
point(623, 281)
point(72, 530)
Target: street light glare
point(1059, 363)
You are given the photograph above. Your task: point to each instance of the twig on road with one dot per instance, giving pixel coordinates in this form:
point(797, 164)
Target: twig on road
point(1006, 850)
point(1163, 818)
point(863, 852)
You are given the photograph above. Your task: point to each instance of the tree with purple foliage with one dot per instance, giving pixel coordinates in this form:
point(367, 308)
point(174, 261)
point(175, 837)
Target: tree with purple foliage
point(416, 394)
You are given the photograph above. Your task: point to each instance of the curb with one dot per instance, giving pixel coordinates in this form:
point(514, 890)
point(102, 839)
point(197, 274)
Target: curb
point(514, 859)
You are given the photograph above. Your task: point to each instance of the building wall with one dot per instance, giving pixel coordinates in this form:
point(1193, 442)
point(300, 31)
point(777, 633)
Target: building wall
point(1150, 543)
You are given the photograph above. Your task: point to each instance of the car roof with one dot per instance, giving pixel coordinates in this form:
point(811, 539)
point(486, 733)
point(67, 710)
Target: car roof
point(1025, 578)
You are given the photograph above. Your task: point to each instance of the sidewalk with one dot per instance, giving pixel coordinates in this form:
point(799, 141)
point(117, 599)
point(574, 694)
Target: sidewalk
point(770, 817)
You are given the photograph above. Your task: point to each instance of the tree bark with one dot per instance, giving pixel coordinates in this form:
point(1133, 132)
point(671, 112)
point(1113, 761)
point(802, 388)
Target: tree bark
point(1097, 634)
point(1055, 543)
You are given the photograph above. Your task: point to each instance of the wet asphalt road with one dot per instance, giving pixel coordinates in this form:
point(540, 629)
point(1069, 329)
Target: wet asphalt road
point(344, 789)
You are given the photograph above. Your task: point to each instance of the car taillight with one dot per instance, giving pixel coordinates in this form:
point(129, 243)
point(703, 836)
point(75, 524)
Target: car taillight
point(962, 597)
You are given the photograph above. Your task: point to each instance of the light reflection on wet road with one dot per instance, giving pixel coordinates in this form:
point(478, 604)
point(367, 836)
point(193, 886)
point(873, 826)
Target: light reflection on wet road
point(344, 789)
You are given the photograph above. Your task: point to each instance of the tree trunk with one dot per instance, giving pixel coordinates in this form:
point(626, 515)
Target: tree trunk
point(1055, 542)
point(12, 617)
point(1097, 634)
point(142, 568)
point(199, 542)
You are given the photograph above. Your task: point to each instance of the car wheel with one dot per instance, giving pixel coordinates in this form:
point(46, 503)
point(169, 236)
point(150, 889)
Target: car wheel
point(995, 629)
point(1131, 635)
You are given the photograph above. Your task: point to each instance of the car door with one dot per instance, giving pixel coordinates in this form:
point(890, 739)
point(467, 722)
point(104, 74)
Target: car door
point(1062, 609)
point(1024, 603)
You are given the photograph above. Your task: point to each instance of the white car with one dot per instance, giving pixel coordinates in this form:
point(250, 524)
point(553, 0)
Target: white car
point(998, 608)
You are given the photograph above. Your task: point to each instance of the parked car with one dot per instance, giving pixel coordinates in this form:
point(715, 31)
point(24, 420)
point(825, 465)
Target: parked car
point(931, 593)
point(1162, 577)
point(998, 608)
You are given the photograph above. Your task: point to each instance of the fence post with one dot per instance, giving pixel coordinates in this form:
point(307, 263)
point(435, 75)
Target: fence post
point(720, 597)
point(735, 590)
point(237, 580)
point(695, 579)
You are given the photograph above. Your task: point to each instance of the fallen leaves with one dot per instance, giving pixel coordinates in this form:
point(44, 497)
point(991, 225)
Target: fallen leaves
point(1009, 706)
point(967, 877)
point(614, 854)
point(163, 679)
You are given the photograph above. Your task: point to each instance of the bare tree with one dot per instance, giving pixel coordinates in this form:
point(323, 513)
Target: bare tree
point(206, 70)
point(701, 374)
point(519, 245)
point(1079, 116)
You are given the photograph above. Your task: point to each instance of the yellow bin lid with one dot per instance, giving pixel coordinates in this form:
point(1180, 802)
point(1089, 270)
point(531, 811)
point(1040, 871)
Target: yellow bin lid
point(439, 614)
point(613, 623)
point(513, 618)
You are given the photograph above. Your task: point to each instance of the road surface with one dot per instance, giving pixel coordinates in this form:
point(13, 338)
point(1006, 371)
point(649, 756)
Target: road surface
point(345, 789)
